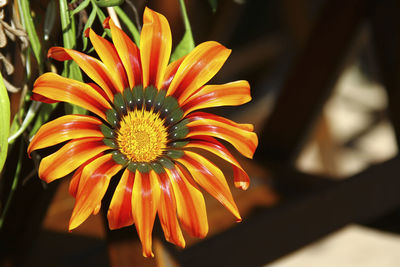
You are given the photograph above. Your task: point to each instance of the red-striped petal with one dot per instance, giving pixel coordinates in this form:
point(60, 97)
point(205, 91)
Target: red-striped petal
point(155, 47)
point(62, 89)
point(128, 52)
point(229, 94)
point(100, 91)
point(167, 212)
point(203, 115)
point(70, 157)
point(190, 203)
point(241, 179)
point(120, 211)
point(43, 99)
point(242, 139)
point(93, 67)
point(198, 67)
point(76, 178)
point(170, 72)
point(108, 54)
point(92, 187)
point(65, 128)
point(145, 199)
point(211, 178)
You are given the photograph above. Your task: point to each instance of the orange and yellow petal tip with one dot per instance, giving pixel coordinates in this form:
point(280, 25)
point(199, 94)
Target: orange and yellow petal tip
point(148, 11)
point(58, 53)
point(180, 243)
point(238, 218)
point(112, 225)
point(106, 23)
point(178, 240)
point(148, 253)
point(87, 32)
point(53, 50)
point(29, 150)
point(242, 185)
point(72, 225)
point(97, 209)
point(149, 14)
point(75, 221)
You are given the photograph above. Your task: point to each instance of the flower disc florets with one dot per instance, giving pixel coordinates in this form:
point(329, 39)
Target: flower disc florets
point(142, 127)
point(141, 136)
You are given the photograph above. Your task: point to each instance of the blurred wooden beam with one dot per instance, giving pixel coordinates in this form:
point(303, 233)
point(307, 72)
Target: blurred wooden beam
point(311, 80)
point(386, 38)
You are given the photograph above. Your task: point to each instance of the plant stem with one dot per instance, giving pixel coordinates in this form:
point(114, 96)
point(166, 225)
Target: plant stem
point(185, 17)
point(30, 115)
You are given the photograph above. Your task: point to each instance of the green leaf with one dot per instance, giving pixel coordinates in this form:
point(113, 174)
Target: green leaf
point(4, 122)
point(81, 7)
point(187, 43)
point(67, 25)
point(88, 24)
point(101, 17)
point(108, 3)
point(71, 69)
point(184, 47)
point(213, 4)
point(128, 22)
point(29, 26)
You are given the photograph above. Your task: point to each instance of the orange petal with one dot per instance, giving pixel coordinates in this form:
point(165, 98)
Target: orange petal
point(155, 47)
point(100, 91)
point(211, 178)
point(65, 128)
point(203, 115)
point(76, 178)
point(229, 94)
point(145, 199)
point(120, 211)
point(208, 143)
point(170, 72)
point(211, 125)
point(93, 67)
point(198, 67)
point(128, 52)
point(70, 157)
point(167, 212)
point(62, 89)
point(42, 99)
point(190, 203)
point(74, 183)
point(97, 209)
point(108, 54)
point(92, 187)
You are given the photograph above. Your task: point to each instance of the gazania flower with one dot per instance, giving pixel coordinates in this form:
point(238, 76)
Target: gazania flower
point(144, 122)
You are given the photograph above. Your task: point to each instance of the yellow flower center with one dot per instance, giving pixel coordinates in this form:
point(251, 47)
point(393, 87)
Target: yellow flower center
point(142, 136)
